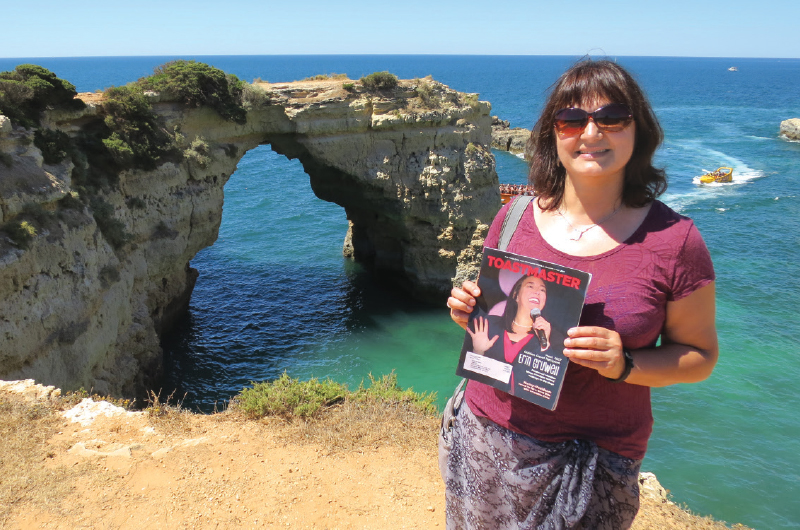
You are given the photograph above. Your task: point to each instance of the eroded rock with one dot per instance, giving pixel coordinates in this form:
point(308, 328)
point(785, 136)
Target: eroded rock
point(415, 176)
point(791, 129)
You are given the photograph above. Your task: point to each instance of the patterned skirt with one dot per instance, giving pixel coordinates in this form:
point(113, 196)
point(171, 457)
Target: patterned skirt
point(499, 479)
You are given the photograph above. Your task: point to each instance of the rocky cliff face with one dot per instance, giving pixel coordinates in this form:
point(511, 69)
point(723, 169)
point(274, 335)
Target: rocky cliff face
point(414, 174)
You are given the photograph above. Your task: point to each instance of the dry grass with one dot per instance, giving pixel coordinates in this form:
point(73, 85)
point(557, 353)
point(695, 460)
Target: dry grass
point(27, 476)
point(659, 515)
point(353, 426)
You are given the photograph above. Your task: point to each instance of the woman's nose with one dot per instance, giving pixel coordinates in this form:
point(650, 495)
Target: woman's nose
point(591, 129)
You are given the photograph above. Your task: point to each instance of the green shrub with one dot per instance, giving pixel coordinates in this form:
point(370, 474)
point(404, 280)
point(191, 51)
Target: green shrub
point(287, 397)
point(386, 389)
point(197, 152)
point(254, 97)
point(29, 89)
point(379, 81)
point(136, 137)
point(120, 151)
point(197, 84)
point(55, 145)
point(348, 86)
point(325, 77)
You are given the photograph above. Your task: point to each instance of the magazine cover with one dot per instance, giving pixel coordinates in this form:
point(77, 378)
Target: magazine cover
point(515, 334)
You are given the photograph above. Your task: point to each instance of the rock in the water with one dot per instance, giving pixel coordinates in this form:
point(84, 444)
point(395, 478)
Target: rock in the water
point(791, 129)
point(505, 138)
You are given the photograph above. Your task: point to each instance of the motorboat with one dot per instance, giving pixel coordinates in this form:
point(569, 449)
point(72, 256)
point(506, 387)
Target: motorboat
point(733, 69)
point(722, 174)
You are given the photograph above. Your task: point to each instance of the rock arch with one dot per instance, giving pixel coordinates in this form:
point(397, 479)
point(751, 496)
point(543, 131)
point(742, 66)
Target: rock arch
point(415, 177)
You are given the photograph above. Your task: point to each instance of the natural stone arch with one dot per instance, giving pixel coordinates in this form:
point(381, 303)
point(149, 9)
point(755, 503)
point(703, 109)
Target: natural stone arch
point(416, 179)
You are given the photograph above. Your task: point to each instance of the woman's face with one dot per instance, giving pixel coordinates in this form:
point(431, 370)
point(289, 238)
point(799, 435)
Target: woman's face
point(595, 154)
point(532, 293)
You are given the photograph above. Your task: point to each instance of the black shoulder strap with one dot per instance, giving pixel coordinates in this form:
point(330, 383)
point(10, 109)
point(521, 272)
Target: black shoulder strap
point(513, 216)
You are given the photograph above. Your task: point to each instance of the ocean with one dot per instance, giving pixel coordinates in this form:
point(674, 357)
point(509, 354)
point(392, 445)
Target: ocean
point(728, 447)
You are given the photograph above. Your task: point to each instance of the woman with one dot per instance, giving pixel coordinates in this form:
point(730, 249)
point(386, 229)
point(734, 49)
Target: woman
point(516, 465)
point(504, 337)
point(526, 299)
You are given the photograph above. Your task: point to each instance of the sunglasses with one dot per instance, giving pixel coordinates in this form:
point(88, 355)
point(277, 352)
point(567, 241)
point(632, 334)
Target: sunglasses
point(611, 118)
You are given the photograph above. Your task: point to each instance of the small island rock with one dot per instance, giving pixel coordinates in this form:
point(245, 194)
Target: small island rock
point(791, 129)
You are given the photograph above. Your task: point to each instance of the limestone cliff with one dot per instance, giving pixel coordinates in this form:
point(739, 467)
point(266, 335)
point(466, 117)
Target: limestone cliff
point(506, 138)
point(411, 166)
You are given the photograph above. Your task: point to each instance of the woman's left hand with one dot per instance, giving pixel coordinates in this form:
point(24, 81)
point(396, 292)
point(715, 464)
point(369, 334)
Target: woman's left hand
point(596, 348)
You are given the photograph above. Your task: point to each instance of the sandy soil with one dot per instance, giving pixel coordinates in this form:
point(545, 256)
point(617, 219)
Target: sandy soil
point(173, 470)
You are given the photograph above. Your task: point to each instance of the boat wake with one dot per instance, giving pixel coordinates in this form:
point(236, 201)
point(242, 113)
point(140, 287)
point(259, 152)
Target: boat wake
point(741, 171)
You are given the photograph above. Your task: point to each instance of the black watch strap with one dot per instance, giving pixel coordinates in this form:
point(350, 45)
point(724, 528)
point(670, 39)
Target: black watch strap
point(628, 367)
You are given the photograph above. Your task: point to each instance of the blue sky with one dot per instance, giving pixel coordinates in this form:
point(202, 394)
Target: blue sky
point(699, 28)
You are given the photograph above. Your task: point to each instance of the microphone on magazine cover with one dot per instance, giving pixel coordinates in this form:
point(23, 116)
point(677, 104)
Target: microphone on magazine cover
point(535, 313)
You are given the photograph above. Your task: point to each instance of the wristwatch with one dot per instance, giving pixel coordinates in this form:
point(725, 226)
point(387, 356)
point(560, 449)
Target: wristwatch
point(628, 367)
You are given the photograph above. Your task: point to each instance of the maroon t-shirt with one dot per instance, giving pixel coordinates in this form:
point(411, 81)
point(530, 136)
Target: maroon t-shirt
point(664, 260)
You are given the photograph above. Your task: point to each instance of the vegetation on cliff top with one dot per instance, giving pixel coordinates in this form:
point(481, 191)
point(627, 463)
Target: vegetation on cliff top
point(287, 397)
point(379, 81)
point(198, 84)
point(29, 89)
point(130, 136)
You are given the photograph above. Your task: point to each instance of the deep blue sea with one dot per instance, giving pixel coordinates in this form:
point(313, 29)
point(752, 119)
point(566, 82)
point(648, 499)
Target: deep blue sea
point(728, 447)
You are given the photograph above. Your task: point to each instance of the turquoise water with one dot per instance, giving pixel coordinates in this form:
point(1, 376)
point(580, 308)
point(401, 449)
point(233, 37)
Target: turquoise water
point(728, 447)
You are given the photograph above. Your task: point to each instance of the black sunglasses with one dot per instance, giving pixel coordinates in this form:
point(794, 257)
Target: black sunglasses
point(611, 118)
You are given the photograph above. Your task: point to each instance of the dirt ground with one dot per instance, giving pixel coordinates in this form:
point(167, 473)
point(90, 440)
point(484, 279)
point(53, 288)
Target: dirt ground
point(178, 470)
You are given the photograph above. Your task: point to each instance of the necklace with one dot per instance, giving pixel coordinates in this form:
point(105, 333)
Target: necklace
point(520, 325)
point(577, 233)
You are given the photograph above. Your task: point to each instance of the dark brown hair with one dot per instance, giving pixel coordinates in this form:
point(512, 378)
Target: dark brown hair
point(588, 80)
point(510, 312)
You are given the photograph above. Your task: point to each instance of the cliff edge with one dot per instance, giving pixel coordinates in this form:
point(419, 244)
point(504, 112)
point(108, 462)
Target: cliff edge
point(92, 464)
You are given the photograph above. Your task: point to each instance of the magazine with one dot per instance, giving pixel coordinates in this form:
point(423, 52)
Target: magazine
point(515, 334)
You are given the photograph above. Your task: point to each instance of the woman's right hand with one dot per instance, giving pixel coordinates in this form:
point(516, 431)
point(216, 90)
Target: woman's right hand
point(461, 302)
point(480, 337)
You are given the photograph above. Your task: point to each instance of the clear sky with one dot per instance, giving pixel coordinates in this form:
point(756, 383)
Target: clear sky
point(695, 28)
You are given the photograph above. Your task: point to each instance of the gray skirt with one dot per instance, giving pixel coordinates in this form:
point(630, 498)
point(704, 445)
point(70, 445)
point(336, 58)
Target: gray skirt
point(499, 479)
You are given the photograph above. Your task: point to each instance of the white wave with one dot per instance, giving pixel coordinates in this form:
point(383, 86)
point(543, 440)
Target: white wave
point(722, 209)
point(680, 202)
point(520, 155)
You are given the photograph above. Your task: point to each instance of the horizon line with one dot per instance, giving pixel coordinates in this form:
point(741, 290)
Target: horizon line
point(386, 55)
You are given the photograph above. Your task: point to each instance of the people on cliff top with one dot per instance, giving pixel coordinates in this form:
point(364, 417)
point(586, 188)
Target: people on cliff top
point(516, 189)
point(515, 465)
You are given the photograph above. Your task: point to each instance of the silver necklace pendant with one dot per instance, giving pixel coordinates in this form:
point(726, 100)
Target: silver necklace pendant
point(576, 234)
